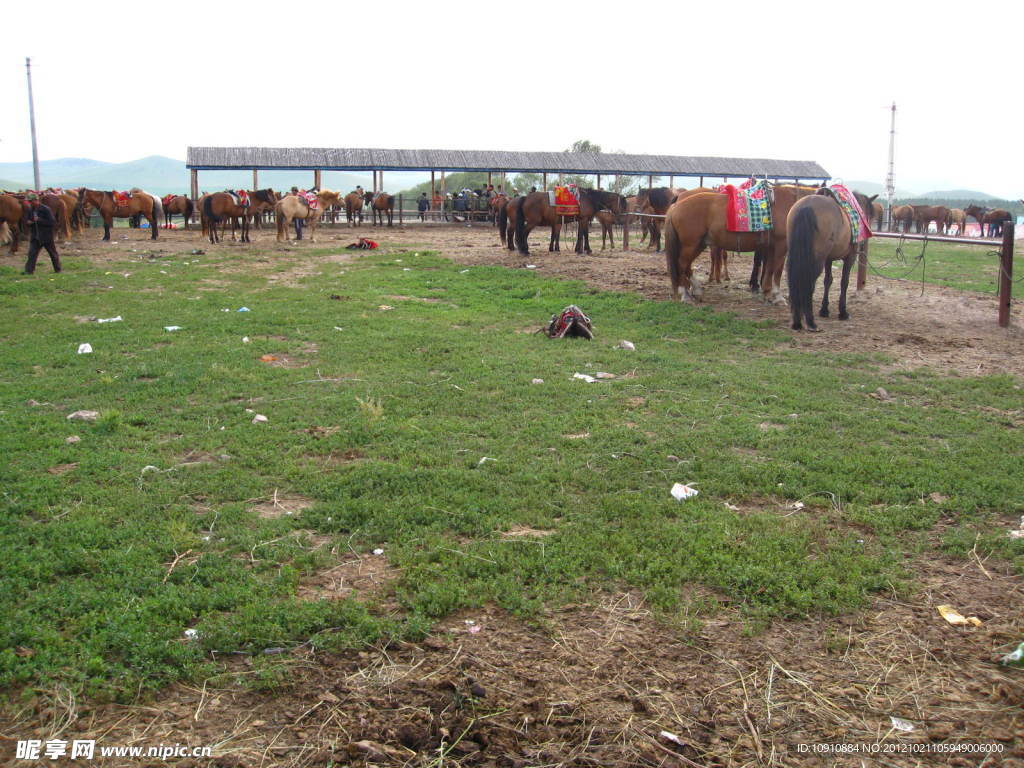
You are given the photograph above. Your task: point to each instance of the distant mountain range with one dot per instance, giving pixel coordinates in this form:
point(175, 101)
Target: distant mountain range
point(874, 188)
point(164, 175)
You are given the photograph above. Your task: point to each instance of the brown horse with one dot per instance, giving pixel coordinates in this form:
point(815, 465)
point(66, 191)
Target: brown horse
point(699, 220)
point(380, 203)
point(655, 202)
point(12, 213)
point(105, 205)
point(818, 232)
point(354, 209)
point(178, 204)
point(877, 215)
point(494, 205)
point(958, 219)
point(224, 206)
point(924, 215)
point(292, 207)
point(901, 217)
point(994, 219)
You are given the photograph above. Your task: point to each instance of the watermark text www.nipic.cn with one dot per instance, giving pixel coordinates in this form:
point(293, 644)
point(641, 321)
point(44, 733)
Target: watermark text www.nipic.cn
point(86, 749)
point(899, 748)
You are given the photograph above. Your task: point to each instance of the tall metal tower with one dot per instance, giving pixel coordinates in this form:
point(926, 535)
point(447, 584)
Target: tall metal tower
point(32, 122)
point(890, 186)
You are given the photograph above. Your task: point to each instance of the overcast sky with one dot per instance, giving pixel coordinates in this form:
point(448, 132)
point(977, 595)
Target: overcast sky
point(808, 81)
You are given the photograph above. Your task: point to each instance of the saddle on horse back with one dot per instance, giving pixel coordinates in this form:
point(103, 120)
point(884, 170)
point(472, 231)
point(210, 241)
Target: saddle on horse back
point(240, 197)
point(566, 200)
point(121, 199)
point(309, 199)
point(859, 231)
point(166, 199)
point(750, 206)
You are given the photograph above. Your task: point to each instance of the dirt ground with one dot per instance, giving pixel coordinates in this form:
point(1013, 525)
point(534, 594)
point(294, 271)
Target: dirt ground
point(607, 683)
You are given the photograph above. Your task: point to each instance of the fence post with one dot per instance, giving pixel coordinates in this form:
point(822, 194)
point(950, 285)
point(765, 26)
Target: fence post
point(399, 209)
point(1006, 273)
point(625, 232)
point(862, 265)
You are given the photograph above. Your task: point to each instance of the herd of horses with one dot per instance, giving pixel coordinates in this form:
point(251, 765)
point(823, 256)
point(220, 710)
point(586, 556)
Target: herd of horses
point(811, 229)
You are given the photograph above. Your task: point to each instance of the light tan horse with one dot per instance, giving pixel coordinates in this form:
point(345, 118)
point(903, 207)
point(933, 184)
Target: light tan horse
point(958, 219)
point(293, 207)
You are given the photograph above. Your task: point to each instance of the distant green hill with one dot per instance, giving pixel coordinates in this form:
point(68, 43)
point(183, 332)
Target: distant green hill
point(12, 186)
point(958, 194)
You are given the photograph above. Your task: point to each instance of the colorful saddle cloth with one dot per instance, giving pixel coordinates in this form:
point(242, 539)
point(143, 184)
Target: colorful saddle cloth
point(749, 208)
point(240, 196)
point(859, 231)
point(121, 199)
point(166, 199)
point(311, 200)
point(566, 200)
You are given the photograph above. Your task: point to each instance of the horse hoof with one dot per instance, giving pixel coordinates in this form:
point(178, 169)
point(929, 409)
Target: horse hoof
point(823, 313)
point(813, 329)
point(844, 315)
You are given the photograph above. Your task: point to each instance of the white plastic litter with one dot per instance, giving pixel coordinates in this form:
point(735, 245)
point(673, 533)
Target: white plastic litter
point(243, 309)
point(72, 439)
point(245, 339)
point(680, 492)
point(84, 349)
point(531, 266)
point(191, 634)
point(172, 327)
point(84, 416)
point(259, 418)
point(149, 468)
point(604, 375)
point(797, 505)
point(117, 319)
point(1019, 533)
point(537, 381)
point(378, 551)
point(900, 724)
point(1015, 656)
point(338, 328)
point(584, 377)
point(485, 459)
point(626, 345)
point(668, 736)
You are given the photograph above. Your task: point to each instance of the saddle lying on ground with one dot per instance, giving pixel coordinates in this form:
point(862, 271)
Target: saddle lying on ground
point(749, 208)
point(362, 245)
point(859, 231)
point(570, 322)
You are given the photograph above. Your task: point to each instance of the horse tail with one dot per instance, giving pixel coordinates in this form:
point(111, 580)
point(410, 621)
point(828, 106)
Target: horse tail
point(520, 238)
point(208, 213)
point(802, 264)
point(503, 221)
point(189, 209)
point(158, 209)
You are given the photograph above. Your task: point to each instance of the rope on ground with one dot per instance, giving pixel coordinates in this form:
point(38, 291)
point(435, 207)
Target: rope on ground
point(901, 259)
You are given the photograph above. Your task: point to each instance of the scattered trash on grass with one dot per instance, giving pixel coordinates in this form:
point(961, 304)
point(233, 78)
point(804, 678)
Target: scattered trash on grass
point(901, 725)
point(626, 345)
point(245, 339)
point(191, 634)
point(537, 381)
point(604, 375)
point(1016, 657)
point(954, 617)
point(198, 252)
point(84, 416)
point(1019, 533)
point(584, 377)
point(531, 266)
point(385, 307)
point(170, 328)
point(731, 507)
point(72, 439)
point(243, 309)
point(668, 736)
point(84, 349)
point(485, 459)
point(267, 358)
point(259, 418)
point(117, 319)
point(797, 505)
point(378, 551)
point(149, 468)
point(338, 328)
point(680, 492)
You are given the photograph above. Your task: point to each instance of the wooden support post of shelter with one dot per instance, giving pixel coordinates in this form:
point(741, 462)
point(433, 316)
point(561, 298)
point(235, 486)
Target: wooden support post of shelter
point(671, 182)
point(544, 181)
point(1006, 274)
point(488, 178)
point(599, 181)
point(399, 208)
point(702, 181)
point(255, 179)
point(316, 179)
point(195, 185)
point(650, 182)
point(443, 188)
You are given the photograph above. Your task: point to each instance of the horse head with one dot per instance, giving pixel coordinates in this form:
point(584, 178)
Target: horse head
point(367, 197)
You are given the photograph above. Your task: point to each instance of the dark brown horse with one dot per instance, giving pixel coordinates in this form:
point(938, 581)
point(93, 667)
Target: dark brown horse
point(106, 206)
point(818, 232)
point(535, 209)
point(700, 220)
point(178, 204)
point(495, 204)
point(654, 203)
point(12, 214)
point(991, 218)
point(354, 209)
point(224, 206)
point(877, 215)
point(380, 203)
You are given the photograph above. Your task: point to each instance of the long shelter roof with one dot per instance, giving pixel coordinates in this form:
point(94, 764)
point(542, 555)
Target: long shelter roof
point(346, 159)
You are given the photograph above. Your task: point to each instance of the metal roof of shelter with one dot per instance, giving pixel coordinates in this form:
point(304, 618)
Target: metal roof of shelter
point(340, 159)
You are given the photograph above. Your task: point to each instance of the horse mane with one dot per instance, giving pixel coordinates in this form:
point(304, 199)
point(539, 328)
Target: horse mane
point(661, 196)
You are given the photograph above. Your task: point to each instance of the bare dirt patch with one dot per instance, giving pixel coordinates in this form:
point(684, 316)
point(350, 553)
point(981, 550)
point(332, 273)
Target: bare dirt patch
point(598, 684)
point(359, 575)
point(279, 505)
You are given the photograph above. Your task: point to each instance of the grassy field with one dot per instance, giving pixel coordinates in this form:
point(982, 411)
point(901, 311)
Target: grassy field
point(965, 267)
point(395, 376)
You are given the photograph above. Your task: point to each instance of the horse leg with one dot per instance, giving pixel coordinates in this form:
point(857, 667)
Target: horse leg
point(106, 227)
point(725, 266)
point(755, 271)
point(826, 285)
point(845, 282)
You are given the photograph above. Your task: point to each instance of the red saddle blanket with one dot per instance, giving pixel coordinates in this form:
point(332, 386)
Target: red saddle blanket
point(166, 199)
point(567, 201)
point(311, 200)
point(241, 197)
point(749, 208)
point(121, 199)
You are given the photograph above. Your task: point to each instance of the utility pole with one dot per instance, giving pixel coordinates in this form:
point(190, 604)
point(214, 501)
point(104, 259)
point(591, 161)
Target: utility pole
point(32, 122)
point(890, 187)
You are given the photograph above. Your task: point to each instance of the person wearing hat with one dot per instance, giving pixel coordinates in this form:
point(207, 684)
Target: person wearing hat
point(41, 222)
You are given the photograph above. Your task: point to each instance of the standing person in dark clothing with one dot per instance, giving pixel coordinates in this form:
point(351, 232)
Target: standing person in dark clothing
point(423, 205)
point(41, 220)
